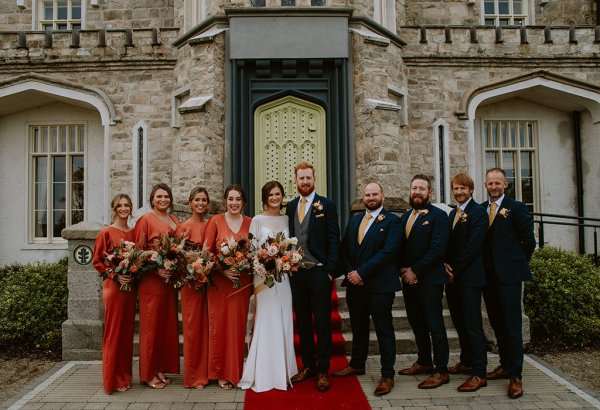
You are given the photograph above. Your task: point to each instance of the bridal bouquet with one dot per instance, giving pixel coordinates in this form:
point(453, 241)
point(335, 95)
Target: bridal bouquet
point(278, 255)
point(127, 259)
point(171, 256)
point(199, 267)
point(235, 256)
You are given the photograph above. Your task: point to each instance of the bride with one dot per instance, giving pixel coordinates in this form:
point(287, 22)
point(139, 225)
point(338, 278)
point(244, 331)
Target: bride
point(271, 359)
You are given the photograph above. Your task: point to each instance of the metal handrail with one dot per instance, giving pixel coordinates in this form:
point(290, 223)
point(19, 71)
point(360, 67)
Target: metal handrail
point(541, 221)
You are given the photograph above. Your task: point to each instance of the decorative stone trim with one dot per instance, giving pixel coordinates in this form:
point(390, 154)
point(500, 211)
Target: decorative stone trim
point(383, 105)
point(195, 104)
point(371, 37)
point(207, 36)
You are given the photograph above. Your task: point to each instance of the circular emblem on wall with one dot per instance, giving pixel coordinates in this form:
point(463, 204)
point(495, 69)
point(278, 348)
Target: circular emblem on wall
point(83, 254)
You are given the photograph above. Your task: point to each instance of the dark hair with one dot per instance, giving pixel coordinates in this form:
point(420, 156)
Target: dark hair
point(115, 201)
point(496, 169)
point(196, 191)
point(421, 177)
point(266, 190)
point(164, 187)
point(238, 188)
point(463, 179)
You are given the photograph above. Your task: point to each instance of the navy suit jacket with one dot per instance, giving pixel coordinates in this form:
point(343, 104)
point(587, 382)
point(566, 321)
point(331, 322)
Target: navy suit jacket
point(424, 249)
point(375, 258)
point(323, 231)
point(510, 242)
point(465, 246)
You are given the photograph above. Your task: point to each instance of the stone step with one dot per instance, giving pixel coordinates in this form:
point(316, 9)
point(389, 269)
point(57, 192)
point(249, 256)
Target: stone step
point(137, 322)
point(398, 300)
point(399, 318)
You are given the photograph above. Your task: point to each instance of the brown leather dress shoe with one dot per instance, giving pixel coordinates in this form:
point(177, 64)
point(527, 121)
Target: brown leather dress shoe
point(433, 381)
point(302, 375)
point(515, 388)
point(498, 373)
point(459, 368)
point(384, 387)
point(473, 383)
point(348, 371)
point(323, 382)
point(415, 369)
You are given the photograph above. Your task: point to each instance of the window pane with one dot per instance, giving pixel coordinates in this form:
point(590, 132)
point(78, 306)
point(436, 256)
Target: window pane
point(77, 196)
point(81, 138)
point(504, 22)
point(41, 195)
point(503, 133)
point(488, 6)
point(76, 26)
point(527, 190)
point(40, 165)
point(41, 225)
point(526, 170)
point(47, 27)
point(59, 196)
point(513, 141)
point(502, 6)
point(288, 2)
point(521, 135)
point(72, 139)
point(63, 139)
point(44, 139)
point(76, 9)
point(494, 135)
point(60, 223)
point(36, 140)
point(48, 10)
point(60, 171)
point(77, 168)
point(517, 7)
point(76, 217)
point(490, 160)
point(530, 135)
point(518, 22)
point(54, 138)
point(62, 8)
point(62, 27)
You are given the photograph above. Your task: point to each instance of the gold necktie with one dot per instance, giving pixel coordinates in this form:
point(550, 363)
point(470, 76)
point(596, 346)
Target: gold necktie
point(302, 209)
point(363, 226)
point(492, 213)
point(457, 216)
point(410, 223)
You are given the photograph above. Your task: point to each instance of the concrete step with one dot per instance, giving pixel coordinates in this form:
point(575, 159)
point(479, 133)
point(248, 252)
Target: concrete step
point(136, 344)
point(399, 318)
point(405, 342)
point(398, 300)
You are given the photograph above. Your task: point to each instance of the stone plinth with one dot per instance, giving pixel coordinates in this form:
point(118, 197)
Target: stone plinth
point(82, 331)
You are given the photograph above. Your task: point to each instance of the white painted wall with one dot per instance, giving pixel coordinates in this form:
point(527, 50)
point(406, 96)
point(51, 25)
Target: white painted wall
point(14, 183)
point(590, 141)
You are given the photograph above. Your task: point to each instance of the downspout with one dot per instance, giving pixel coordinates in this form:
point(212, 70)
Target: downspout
point(579, 177)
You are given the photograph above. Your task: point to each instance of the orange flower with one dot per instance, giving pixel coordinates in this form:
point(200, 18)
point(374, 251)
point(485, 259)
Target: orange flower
point(239, 256)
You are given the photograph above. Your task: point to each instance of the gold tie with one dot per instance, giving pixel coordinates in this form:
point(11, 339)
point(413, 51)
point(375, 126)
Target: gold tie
point(411, 221)
point(492, 213)
point(363, 226)
point(302, 209)
point(457, 216)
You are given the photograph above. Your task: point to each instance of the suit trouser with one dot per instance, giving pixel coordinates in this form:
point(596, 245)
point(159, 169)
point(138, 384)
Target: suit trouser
point(503, 304)
point(465, 309)
point(361, 306)
point(424, 311)
point(311, 296)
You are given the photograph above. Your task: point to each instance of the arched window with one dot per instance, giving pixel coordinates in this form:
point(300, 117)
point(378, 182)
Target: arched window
point(140, 163)
point(441, 162)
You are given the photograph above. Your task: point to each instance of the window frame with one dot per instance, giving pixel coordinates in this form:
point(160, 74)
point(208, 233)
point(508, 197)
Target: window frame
point(38, 19)
point(441, 158)
point(535, 161)
point(526, 15)
point(49, 154)
point(384, 13)
point(139, 174)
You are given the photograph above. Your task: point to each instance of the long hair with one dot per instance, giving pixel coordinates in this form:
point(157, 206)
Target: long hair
point(115, 202)
point(238, 188)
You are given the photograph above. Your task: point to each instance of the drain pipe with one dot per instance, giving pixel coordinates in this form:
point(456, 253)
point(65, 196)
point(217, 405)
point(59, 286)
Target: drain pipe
point(579, 177)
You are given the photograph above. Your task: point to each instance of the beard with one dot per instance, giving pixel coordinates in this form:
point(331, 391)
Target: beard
point(373, 205)
point(305, 190)
point(418, 202)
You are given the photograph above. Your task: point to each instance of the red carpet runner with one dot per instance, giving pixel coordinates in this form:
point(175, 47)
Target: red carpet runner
point(345, 392)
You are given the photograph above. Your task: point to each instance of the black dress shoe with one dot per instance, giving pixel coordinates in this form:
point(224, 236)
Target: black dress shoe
point(302, 375)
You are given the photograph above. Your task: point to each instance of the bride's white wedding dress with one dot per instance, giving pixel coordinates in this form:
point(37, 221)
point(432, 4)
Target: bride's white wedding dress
point(271, 360)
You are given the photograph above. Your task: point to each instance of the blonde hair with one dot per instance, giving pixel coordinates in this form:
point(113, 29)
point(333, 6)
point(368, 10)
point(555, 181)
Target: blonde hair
point(115, 202)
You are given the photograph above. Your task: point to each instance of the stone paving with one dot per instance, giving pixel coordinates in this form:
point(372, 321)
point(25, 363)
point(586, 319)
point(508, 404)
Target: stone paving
point(76, 385)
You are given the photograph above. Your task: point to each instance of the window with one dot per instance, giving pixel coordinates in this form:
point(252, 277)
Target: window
point(60, 14)
point(511, 145)
point(505, 12)
point(195, 13)
point(140, 159)
point(58, 183)
point(384, 12)
point(441, 158)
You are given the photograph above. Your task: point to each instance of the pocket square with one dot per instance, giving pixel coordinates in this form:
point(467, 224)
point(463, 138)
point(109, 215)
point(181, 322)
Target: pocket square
point(381, 230)
point(319, 215)
point(426, 223)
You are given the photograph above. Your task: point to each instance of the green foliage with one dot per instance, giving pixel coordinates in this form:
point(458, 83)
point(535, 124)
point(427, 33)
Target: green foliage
point(563, 299)
point(33, 304)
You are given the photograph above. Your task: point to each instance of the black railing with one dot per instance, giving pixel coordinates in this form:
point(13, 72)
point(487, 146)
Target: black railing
point(580, 222)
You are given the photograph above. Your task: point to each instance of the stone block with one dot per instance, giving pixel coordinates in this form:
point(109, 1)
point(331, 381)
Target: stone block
point(81, 336)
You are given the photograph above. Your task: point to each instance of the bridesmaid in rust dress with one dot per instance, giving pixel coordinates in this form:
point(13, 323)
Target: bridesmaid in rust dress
point(228, 307)
point(157, 300)
point(194, 309)
point(119, 305)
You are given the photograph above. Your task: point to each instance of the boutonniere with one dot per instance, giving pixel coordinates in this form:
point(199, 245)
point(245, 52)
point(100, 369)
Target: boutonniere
point(503, 212)
point(318, 206)
point(423, 212)
point(463, 217)
point(380, 217)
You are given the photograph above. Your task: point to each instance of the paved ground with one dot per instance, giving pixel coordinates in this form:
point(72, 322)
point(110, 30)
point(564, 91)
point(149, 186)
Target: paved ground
point(77, 385)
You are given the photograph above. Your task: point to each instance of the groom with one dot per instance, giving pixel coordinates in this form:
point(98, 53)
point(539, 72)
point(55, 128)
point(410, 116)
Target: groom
point(313, 220)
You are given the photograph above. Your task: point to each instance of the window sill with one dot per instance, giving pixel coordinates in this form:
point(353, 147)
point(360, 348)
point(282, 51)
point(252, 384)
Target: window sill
point(50, 246)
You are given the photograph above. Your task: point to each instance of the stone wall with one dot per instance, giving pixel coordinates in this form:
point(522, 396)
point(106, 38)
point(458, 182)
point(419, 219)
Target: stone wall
point(14, 18)
point(571, 12)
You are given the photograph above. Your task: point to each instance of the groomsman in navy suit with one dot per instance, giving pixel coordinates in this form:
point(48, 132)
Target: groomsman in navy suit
point(466, 276)
point(508, 249)
point(313, 220)
point(368, 260)
point(425, 235)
